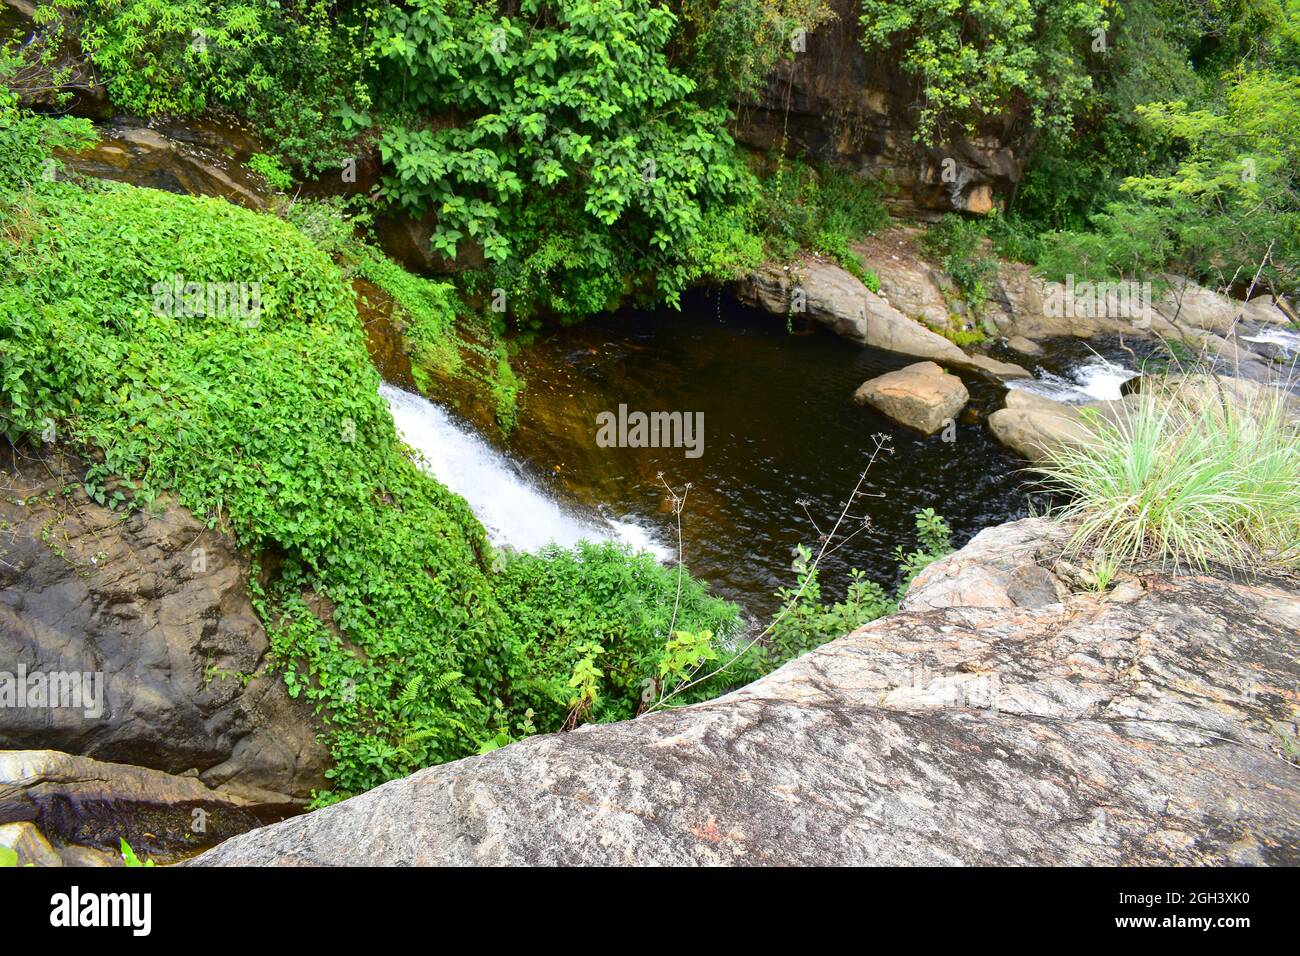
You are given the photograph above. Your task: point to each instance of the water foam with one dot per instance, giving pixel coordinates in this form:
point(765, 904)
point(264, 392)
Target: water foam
point(513, 509)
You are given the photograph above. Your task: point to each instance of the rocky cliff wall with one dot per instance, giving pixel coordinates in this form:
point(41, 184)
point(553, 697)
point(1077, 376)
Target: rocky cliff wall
point(837, 103)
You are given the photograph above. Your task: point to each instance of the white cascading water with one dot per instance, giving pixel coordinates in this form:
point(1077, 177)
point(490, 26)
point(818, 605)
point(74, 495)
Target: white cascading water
point(1287, 341)
point(1094, 380)
point(514, 511)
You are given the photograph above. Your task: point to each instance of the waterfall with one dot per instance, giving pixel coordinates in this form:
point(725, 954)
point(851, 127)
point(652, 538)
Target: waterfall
point(1095, 380)
point(514, 510)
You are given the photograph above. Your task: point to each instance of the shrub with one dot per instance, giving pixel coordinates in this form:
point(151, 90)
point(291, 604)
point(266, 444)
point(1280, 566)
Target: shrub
point(573, 107)
point(958, 244)
point(975, 61)
point(1194, 474)
point(564, 601)
point(821, 210)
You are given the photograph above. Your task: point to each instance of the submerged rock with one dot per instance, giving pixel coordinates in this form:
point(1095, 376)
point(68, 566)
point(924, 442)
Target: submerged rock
point(1144, 727)
point(921, 396)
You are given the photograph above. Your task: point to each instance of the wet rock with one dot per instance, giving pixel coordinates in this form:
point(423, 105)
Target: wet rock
point(1024, 346)
point(1033, 426)
point(200, 159)
point(30, 845)
point(155, 608)
point(921, 396)
point(92, 804)
point(1082, 732)
point(996, 370)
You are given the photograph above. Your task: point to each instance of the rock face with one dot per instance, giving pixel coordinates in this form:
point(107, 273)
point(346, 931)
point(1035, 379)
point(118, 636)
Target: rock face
point(197, 159)
point(832, 297)
point(1146, 726)
point(156, 610)
point(838, 104)
point(922, 396)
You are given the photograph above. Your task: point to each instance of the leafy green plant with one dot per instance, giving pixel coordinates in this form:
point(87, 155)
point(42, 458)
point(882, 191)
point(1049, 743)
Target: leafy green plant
point(805, 622)
point(684, 653)
point(958, 243)
point(819, 210)
point(272, 170)
point(564, 601)
point(935, 538)
point(294, 68)
point(730, 47)
point(129, 857)
point(573, 104)
point(976, 61)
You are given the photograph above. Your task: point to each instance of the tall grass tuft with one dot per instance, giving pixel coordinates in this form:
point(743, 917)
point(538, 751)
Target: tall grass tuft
point(1196, 472)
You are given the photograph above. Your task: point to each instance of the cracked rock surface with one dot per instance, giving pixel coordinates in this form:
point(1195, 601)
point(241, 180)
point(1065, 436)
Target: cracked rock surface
point(996, 719)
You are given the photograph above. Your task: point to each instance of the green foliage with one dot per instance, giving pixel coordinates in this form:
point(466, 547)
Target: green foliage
point(273, 428)
point(429, 312)
point(974, 61)
point(818, 210)
point(958, 244)
point(935, 538)
point(1187, 98)
point(378, 594)
point(129, 857)
point(8, 857)
point(1230, 204)
point(573, 105)
point(294, 68)
point(805, 622)
point(272, 170)
point(685, 653)
point(26, 141)
point(1188, 476)
point(729, 47)
point(563, 602)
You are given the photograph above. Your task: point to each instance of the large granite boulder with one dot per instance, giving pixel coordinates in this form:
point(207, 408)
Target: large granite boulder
point(836, 299)
point(154, 608)
point(1145, 726)
point(921, 396)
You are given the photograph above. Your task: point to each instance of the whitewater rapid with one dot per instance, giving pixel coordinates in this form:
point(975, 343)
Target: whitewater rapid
point(512, 507)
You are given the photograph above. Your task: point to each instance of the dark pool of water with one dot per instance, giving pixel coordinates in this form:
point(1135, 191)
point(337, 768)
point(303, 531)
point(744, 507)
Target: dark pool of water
point(779, 429)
